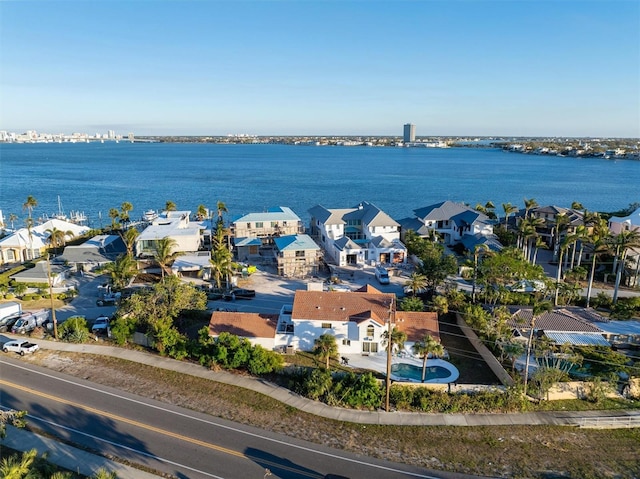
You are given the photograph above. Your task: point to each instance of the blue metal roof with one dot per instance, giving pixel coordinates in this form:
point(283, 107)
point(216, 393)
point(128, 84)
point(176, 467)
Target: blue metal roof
point(578, 339)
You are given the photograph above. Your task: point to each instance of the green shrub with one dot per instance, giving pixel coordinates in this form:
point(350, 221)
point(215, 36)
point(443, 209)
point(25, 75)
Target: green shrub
point(74, 330)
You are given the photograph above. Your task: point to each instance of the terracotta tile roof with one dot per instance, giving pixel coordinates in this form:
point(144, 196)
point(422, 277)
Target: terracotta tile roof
point(339, 306)
point(418, 324)
point(367, 288)
point(246, 325)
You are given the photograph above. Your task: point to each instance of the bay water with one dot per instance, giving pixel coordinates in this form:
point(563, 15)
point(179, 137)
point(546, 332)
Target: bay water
point(94, 177)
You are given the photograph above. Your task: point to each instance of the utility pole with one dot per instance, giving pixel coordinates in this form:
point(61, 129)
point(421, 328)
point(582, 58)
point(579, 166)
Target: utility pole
point(53, 309)
point(389, 350)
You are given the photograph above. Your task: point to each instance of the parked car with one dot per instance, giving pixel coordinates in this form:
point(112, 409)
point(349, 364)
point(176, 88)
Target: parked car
point(20, 346)
point(108, 299)
point(100, 325)
point(30, 320)
point(7, 323)
point(239, 293)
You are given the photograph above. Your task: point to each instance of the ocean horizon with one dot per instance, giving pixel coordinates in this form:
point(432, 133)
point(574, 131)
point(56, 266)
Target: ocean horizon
point(94, 177)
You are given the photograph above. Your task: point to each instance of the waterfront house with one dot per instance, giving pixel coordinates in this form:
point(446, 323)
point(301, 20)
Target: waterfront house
point(188, 236)
point(93, 253)
point(553, 231)
point(27, 244)
point(297, 256)
point(356, 236)
point(451, 222)
point(270, 224)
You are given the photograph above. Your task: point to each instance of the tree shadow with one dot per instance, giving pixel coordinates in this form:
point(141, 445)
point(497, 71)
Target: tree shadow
point(276, 466)
point(83, 429)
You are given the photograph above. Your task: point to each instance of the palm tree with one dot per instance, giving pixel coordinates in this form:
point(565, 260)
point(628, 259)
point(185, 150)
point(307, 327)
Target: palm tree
point(621, 244)
point(398, 338)
point(29, 224)
point(326, 348)
point(114, 214)
point(58, 237)
point(529, 205)
point(563, 246)
point(221, 265)
point(512, 350)
point(12, 218)
point(599, 241)
point(539, 244)
point(539, 308)
point(478, 250)
point(201, 213)
point(416, 283)
point(560, 225)
point(122, 270)
point(125, 208)
point(163, 253)
point(30, 204)
point(423, 348)
point(170, 206)
point(489, 209)
point(508, 208)
point(129, 237)
point(222, 208)
point(18, 467)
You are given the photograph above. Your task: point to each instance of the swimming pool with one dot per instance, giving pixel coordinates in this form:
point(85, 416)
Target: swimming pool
point(435, 373)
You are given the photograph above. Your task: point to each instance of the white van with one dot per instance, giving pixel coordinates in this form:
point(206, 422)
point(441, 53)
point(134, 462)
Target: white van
point(382, 275)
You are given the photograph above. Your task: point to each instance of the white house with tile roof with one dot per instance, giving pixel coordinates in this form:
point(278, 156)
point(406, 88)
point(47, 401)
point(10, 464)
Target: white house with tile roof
point(452, 221)
point(24, 245)
point(358, 320)
point(357, 235)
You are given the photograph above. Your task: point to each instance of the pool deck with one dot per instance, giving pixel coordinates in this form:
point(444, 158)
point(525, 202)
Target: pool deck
point(378, 362)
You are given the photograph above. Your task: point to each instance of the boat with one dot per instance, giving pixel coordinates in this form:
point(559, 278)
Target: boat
point(149, 215)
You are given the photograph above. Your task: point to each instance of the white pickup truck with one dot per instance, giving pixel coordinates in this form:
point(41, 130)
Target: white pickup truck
point(20, 346)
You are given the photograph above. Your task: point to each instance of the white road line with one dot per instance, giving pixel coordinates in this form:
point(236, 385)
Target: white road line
point(275, 441)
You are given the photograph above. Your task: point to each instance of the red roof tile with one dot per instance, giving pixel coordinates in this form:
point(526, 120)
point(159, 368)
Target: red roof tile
point(418, 324)
point(338, 306)
point(246, 325)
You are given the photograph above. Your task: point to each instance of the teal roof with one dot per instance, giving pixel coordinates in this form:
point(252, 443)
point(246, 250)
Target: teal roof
point(247, 242)
point(278, 213)
point(295, 243)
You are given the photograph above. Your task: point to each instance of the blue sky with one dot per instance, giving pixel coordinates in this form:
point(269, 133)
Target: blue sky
point(455, 67)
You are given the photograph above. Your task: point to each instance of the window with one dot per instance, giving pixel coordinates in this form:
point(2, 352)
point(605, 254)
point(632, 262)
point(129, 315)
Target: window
point(249, 225)
point(274, 224)
point(346, 342)
point(370, 331)
point(326, 326)
point(259, 224)
point(300, 254)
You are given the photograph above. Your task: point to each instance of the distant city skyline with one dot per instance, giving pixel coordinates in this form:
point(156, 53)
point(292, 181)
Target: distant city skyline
point(451, 68)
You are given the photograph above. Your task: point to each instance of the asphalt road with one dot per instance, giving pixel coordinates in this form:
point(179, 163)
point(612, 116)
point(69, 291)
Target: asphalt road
point(174, 440)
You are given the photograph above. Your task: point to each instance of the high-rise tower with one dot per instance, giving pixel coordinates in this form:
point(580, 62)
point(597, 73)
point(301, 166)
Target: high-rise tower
point(409, 133)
